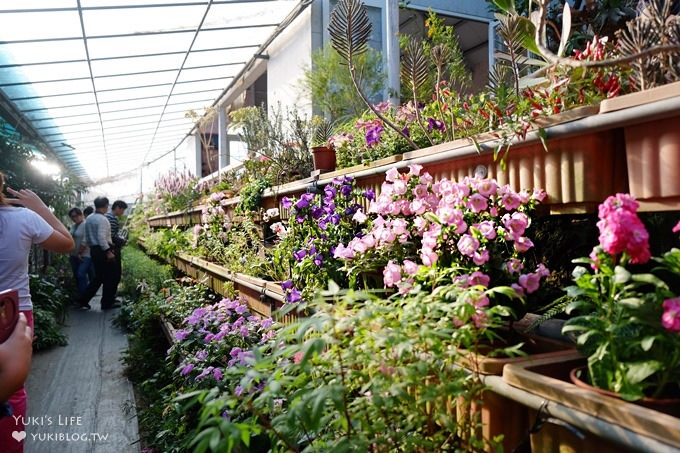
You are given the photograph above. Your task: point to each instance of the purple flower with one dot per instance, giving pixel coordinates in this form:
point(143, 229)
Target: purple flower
point(373, 135)
point(217, 374)
point(293, 296)
point(241, 309)
point(304, 201)
point(287, 284)
point(318, 259)
point(286, 203)
point(346, 190)
point(187, 369)
point(433, 124)
point(300, 254)
point(182, 334)
point(317, 212)
point(369, 194)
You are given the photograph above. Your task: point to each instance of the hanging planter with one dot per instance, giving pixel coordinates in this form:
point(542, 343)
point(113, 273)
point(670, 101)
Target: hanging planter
point(670, 406)
point(653, 157)
point(549, 379)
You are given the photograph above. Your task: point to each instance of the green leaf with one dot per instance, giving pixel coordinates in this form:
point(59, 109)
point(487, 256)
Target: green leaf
point(650, 279)
point(647, 343)
point(621, 275)
point(632, 302)
point(566, 28)
point(528, 35)
point(639, 371)
point(507, 6)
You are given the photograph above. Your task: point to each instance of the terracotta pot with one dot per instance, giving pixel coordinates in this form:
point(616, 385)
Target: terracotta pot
point(653, 157)
point(324, 158)
point(670, 406)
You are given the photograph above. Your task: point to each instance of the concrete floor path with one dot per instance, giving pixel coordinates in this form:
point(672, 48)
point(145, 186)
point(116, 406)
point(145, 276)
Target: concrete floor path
point(79, 401)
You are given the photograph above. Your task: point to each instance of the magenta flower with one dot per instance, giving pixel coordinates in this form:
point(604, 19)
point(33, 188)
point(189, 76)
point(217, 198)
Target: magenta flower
point(671, 314)
point(478, 203)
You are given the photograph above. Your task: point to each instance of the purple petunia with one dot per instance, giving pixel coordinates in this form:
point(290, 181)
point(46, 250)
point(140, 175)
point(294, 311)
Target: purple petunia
point(373, 135)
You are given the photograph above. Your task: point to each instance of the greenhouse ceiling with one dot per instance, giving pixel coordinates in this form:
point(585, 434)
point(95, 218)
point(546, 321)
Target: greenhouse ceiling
point(106, 83)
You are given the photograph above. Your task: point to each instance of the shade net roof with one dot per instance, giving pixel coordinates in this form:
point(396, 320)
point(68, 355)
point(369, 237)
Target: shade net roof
point(106, 84)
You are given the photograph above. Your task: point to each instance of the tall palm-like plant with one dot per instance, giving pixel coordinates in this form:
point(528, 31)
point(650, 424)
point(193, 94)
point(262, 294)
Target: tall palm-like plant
point(349, 29)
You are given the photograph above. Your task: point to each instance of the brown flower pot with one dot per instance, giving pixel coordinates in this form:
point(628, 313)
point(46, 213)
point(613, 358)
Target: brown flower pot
point(653, 156)
point(670, 406)
point(324, 158)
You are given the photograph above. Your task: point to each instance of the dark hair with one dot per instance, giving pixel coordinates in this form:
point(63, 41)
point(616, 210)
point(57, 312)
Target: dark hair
point(119, 204)
point(88, 210)
point(101, 202)
point(75, 211)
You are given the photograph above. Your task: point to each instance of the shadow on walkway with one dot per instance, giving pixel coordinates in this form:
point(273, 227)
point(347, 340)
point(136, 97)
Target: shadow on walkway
point(78, 398)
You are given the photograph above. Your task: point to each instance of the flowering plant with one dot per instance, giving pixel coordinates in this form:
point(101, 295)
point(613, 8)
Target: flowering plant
point(475, 227)
point(629, 325)
point(318, 222)
point(216, 337)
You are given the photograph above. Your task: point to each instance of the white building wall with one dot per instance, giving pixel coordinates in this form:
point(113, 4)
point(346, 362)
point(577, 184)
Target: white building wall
point(288, 55)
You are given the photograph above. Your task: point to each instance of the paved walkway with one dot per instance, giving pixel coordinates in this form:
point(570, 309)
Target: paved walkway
point(78, 398)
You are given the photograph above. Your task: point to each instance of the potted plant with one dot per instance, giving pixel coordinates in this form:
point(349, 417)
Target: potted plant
point(628, 324)
point(323, 152)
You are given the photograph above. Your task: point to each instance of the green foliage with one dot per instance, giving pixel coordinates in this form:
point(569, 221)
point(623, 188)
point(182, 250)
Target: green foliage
point(16, 155)
point(50, 304)
point(251, 195)
point(142, 274)
point(278, 143)
point(330, 86)
point(166, 242)
point(360, 373)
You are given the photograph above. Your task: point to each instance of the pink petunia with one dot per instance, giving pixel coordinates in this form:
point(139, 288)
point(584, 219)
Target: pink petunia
point(671, 314)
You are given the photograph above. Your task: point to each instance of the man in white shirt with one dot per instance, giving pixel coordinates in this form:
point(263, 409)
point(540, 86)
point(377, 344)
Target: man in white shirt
point(98, 237)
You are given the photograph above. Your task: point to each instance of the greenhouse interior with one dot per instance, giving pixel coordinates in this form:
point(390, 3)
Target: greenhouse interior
point(339, 225)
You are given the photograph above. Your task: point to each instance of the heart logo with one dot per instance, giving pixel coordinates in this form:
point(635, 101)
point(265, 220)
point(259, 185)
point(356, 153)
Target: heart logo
point(19, 435)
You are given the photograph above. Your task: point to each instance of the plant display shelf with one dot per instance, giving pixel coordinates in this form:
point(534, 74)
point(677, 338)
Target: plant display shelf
point(636, 426)
point(586, 161)
point(263, 297)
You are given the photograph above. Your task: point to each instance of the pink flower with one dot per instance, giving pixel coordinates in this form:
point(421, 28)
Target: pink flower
point(514, 266)
point(428, 256)
point(399, 187)
point(676, 228)
point(487, 228)
point(523, 244)
point(478, 278)
point(391, 274)
point(510, 201)
point(410, 267)
point(480, 257)
point(486, 187)
point(392, 174)
point(477, 203)
point(414, 169)
point(530, 282)
point(671, 315)
point(359, 216)
point(515, 224)
point(468, 245)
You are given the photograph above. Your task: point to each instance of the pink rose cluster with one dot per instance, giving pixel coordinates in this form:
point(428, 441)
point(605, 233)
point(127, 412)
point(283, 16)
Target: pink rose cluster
point(475, 223)
point(621, 230)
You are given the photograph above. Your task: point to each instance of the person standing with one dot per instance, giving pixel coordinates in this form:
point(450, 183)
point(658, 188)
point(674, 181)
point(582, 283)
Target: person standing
point(20, 228)
point(90, 271)
point(98, 238)
point(117, 209)
point(80, 257)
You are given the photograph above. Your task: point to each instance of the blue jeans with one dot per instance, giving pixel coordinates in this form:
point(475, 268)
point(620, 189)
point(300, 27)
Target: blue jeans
point(81, 268)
